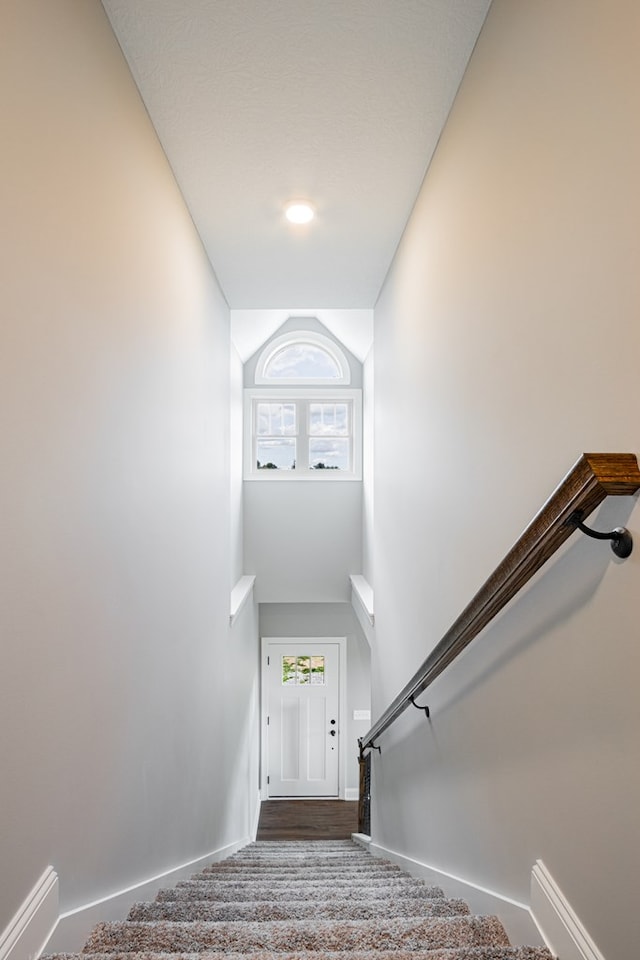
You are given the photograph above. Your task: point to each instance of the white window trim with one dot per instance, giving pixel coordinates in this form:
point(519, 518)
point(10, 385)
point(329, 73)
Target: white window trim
point(303, 336)
point(326, 395)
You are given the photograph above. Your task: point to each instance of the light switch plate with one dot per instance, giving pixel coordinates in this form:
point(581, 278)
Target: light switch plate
point(362, 714)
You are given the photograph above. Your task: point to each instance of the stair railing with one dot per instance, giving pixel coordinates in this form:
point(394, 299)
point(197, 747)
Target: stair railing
point(594, 477)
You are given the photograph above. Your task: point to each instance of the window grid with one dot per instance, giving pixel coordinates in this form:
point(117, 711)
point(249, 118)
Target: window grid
point(301, 434)
point(303, 671)
point(329, 430)
point(275, 429)
point(276, 419)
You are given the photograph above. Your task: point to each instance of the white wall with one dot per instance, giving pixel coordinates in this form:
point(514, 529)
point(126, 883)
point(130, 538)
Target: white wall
point(507, 342)
point(116, 673)
point(302, 539)
point(330, 620)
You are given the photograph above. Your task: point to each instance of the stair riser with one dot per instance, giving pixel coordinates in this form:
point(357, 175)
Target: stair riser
point(315, 857)
point(201, 892)
point(308, 854)
point(281, 936)
point(345, 910)
point(445, 953)
point(319, 872)
point(390, 884)
point(301, 867)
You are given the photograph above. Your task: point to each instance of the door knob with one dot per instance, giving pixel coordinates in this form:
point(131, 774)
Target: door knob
point(332, 732)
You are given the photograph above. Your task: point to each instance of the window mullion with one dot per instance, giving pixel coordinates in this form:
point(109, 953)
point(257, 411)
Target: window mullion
point(302, 453)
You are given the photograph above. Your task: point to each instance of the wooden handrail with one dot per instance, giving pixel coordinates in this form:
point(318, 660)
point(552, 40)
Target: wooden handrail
point(593, 478)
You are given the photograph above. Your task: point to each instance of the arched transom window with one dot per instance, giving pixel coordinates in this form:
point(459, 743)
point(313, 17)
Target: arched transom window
point(304, 358)
point(301, 420)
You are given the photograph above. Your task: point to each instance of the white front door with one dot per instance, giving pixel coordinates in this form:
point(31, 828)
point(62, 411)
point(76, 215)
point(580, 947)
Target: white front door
point(303, 724)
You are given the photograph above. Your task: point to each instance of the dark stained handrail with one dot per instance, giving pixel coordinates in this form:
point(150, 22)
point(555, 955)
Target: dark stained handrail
point(594, 477)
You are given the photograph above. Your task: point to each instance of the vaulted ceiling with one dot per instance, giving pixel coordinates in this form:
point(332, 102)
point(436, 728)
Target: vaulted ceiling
point(340, 102)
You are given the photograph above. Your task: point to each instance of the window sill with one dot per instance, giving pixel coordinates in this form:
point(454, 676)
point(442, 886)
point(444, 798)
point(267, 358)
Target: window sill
point(239, 596)
point(364, 593)
point(290, 476)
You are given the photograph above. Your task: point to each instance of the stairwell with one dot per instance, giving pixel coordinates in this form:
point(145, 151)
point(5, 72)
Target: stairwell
point(303, 900)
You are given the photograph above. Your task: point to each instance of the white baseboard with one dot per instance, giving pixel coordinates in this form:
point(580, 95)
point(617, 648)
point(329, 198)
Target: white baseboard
point(31, 927)
point(515, 916)
point(562, 930)
point(362, 839)
point(256, 817)
point(74, 926)
point(351, 793)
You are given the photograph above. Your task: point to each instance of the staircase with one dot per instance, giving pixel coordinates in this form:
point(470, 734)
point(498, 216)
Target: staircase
point(289, 900)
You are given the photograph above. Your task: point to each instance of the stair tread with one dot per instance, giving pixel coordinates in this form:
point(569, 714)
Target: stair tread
point(300, 866)
point(293, 844)
point(326, 872)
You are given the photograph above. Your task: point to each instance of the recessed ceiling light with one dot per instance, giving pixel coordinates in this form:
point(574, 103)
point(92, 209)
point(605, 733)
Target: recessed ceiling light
point(299, 212)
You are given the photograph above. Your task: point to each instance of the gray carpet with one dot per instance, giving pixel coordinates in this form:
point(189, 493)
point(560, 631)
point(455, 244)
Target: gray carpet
point(303, 900)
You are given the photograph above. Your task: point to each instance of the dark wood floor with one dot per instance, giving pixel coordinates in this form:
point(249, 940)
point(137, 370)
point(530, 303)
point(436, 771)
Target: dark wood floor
point(307, 819)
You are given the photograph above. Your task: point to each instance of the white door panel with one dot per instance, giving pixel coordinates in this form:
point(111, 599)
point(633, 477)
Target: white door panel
point(303, 697)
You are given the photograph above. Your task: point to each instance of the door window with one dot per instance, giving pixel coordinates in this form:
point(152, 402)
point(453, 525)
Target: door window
point(300, 671)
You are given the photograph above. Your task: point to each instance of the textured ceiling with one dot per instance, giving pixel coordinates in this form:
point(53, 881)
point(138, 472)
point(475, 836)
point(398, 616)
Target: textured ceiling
point(260, 101)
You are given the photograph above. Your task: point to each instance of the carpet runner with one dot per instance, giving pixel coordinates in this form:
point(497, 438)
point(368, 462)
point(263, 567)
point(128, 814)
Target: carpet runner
point(302, 900)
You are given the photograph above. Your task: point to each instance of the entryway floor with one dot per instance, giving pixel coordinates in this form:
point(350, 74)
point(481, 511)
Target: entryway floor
point(307, 819)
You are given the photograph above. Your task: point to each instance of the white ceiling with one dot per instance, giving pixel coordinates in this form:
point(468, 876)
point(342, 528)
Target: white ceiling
point(260, 101)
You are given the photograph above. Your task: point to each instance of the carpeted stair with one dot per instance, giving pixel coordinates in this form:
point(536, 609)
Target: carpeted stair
point(295, 900)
